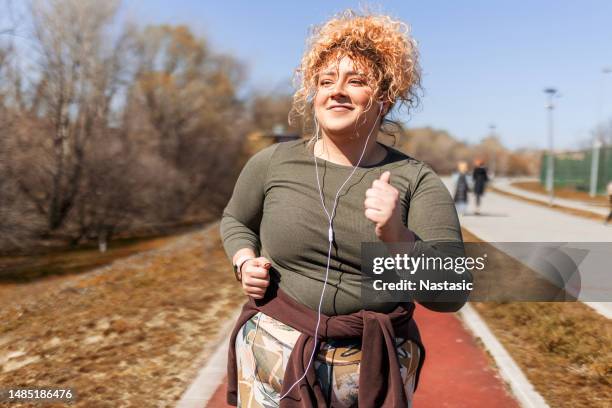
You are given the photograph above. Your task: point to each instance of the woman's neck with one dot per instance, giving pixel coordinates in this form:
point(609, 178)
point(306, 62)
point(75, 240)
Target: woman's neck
point(347, 152)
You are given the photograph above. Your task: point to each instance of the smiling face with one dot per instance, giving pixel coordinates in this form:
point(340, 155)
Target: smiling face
point(343, 103)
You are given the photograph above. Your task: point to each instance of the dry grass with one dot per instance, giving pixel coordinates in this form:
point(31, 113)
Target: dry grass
point(566, 210)
point(25, 277)
point(563, 192)
point(563, 348)
point(130, 334)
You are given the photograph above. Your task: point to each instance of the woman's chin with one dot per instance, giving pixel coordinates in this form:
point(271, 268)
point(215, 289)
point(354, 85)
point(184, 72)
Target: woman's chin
point(340, 128)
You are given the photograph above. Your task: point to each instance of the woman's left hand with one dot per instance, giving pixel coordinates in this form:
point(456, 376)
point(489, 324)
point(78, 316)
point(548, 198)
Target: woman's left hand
point(382, 206)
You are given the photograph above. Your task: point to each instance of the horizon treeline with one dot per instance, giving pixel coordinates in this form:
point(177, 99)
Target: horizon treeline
point(108, 129)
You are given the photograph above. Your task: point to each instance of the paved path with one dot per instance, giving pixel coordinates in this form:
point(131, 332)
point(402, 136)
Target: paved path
point(505, 220)
point(457, 371)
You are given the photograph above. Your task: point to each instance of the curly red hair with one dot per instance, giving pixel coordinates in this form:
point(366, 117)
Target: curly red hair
point(379, 45)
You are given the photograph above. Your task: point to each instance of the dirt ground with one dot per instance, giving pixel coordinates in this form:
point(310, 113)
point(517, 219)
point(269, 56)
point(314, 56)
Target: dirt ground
point(131, 334)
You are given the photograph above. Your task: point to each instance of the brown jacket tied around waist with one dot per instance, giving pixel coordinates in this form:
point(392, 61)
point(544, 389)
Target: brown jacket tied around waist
point(380, 382)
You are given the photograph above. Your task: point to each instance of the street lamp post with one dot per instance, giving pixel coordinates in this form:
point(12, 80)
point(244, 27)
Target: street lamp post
point(594, 167)
point(550, 169)
point(602, 107)
point(492, 167)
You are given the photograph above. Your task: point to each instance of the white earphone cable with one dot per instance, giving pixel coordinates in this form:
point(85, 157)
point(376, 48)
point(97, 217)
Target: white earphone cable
point(330, 236)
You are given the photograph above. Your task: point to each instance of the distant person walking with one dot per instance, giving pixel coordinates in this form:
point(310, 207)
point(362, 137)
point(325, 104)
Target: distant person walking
point(609, 190)
point(480, 178)
point(462, 182)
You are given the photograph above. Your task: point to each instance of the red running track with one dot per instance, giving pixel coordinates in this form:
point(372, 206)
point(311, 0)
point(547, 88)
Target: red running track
point(457, 371)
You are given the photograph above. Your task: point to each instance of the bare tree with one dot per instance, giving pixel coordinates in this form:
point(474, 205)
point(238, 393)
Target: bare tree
point(74, 85)
point(16, 224)
point(435, 147)
point(269, 110)
point(109, 200)
point(188, 95)
point(113, 131)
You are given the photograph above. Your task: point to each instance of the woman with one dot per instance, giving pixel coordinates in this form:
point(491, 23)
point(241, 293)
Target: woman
point(296, 220)
point(480, 180)
point(461, 181)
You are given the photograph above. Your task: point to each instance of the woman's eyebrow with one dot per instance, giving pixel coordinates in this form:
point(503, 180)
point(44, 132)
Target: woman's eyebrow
point(348, 73)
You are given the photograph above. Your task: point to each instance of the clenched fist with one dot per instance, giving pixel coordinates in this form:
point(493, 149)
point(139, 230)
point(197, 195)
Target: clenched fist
point(382, 207)
point(255, 277)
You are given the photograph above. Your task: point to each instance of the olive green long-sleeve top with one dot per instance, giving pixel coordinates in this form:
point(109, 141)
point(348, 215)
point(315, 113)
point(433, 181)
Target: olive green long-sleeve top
point(276, 210)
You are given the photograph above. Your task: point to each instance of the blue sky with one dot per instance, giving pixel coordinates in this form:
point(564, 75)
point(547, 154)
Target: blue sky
point(483, 61)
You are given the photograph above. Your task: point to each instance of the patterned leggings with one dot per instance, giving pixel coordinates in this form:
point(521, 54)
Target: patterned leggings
point(336, 365)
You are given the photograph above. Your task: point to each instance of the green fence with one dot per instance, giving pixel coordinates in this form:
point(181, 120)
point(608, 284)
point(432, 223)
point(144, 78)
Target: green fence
point(573, 169)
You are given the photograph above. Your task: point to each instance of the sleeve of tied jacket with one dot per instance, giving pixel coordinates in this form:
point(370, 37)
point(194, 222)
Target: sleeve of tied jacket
point(242, 214)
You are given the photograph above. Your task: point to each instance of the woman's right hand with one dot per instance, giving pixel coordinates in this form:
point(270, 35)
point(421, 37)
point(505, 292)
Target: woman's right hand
point(255, 277)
